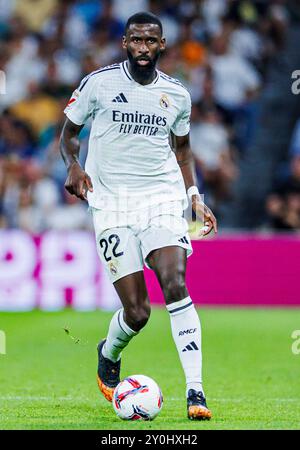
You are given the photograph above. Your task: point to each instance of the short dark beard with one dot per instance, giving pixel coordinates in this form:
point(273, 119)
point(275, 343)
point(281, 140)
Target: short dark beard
point(142, 73)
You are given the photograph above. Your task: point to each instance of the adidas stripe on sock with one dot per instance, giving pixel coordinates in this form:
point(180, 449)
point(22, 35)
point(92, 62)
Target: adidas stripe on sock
point(186, 331)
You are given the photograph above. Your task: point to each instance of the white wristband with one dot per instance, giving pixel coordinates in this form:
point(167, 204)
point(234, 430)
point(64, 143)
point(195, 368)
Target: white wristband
point(193, 190)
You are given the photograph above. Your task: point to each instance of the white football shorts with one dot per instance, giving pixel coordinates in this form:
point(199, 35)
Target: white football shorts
point(125, 239)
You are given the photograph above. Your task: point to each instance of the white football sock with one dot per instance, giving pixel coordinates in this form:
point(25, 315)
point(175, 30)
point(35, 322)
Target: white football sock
point(186, 331)
point(118, 337)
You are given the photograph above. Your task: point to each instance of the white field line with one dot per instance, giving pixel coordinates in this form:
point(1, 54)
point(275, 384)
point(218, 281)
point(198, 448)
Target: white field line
point(70, 398)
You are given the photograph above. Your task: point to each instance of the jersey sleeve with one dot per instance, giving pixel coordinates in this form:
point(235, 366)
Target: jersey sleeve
point(181, 126)
point(82, 103)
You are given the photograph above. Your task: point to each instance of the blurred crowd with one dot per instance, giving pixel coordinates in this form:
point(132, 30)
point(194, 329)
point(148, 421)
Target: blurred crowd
point(219, 49)
point(283, 202)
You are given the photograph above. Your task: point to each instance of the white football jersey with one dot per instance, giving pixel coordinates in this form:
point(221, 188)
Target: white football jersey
point(130, 161)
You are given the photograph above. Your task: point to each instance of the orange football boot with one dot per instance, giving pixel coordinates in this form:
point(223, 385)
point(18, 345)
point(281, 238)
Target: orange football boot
point(108, 374)
point(196, 406)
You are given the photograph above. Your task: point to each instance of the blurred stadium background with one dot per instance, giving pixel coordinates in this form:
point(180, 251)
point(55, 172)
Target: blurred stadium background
point(237, 59)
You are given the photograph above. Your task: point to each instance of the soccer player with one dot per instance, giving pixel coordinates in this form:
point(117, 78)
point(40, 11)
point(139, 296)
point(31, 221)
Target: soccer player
point(137, 188)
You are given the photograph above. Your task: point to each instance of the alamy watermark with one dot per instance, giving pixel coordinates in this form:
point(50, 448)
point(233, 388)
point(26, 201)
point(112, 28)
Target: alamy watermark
point(296, 344)
point(2, 343)
point(2, 83)
point(128, 209)
point(296, 84)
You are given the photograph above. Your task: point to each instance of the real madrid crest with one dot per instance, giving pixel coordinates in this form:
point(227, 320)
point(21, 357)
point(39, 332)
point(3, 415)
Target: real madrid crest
point(164, 101)
point(113, 267)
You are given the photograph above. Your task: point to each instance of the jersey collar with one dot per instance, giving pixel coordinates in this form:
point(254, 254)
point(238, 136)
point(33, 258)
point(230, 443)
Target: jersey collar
point(125, 70)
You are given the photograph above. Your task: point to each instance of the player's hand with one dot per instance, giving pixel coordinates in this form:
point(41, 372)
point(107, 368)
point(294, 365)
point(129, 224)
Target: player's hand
point(78, 182)
point(205, 215)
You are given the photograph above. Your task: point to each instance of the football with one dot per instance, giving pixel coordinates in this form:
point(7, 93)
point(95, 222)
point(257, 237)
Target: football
point(137, 397)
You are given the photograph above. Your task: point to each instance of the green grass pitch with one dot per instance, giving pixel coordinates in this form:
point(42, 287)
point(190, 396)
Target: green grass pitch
point(251, 376)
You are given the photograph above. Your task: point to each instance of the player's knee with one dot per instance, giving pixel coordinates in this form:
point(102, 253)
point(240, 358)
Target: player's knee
point(174, 287)
point(138, 316)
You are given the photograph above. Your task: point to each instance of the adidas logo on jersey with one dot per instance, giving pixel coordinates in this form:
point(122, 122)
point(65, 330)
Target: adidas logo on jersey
point(183, 240)
point(190, 347)
point(120, 98)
